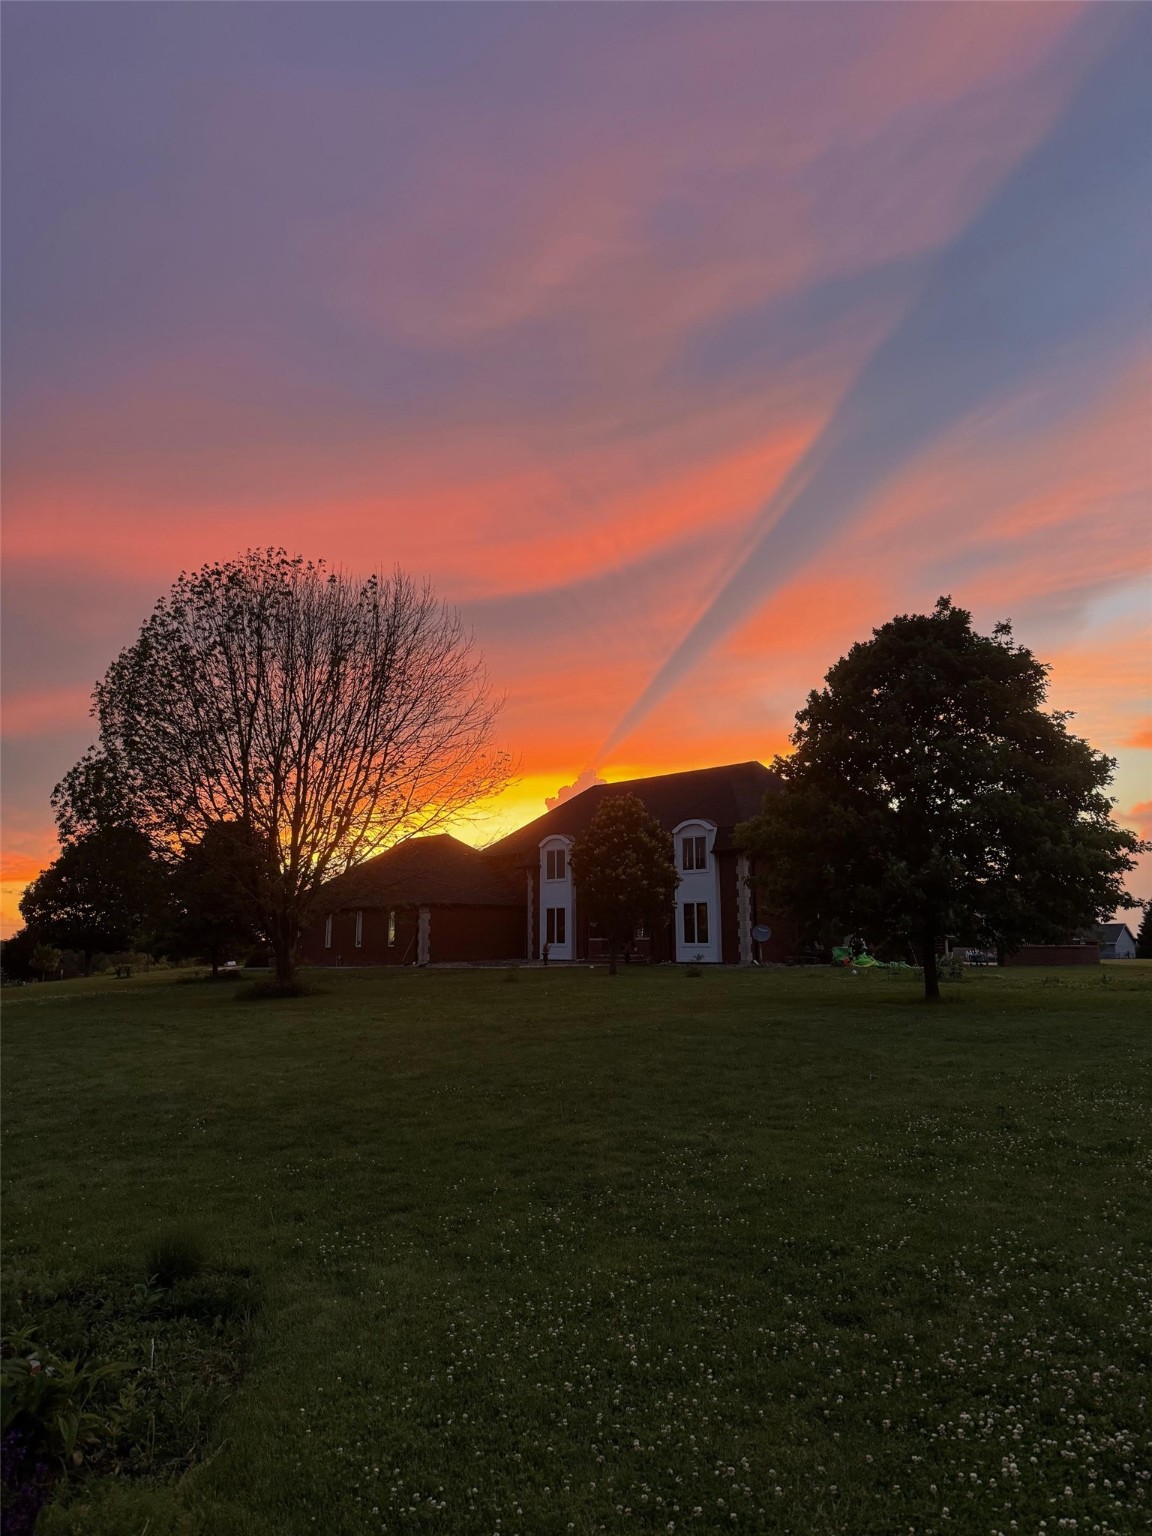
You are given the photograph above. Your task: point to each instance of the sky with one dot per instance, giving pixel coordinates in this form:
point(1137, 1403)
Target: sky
point(678, 345)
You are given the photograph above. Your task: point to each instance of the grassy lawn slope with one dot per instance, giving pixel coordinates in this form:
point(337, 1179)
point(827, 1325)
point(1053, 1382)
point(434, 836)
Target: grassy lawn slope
point(761, 1251)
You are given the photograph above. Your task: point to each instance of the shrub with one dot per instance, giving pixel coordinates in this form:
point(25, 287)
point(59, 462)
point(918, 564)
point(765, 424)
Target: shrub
point(175, 1254)
point(46, 961)
point(127, 961)
point(269, 990)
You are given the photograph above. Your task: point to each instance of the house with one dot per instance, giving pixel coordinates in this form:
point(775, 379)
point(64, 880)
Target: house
point(715, 908)
point(1115, 940)
point(434, 899)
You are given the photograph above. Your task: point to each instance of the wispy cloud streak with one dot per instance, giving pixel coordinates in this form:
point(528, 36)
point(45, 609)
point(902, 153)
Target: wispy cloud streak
point(1053, 270)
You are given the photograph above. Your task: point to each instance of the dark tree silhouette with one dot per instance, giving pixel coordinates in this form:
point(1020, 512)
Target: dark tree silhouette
point(91, 797)
point(16, 955)
point(624, 871)
point(210, 883)
point(331, 716)
point(1144, 936)
point(931, 794)
point(106, 891)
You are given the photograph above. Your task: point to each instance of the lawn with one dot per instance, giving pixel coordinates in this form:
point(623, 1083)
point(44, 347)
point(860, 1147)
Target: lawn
point(768, 1251)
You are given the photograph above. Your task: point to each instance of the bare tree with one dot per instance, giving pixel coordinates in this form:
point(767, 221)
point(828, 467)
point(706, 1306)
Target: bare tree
point(330, 716)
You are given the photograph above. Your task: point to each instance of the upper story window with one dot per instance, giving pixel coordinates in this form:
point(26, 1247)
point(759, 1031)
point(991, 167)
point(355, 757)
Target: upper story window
point(554, 864)
point(693, 853)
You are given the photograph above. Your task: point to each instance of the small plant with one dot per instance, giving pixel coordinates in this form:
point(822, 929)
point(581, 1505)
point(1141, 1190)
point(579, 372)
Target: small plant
point(57, 1414)
point(175, 1254)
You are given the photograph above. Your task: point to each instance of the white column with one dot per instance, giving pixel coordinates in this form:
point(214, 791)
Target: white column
point(424, 936)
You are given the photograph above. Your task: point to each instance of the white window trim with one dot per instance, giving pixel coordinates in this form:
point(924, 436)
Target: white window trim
point(559, 920)
point(359, 941)
point(705, 943)
point(328, 931)
point(551, 856)
point(699, 886)
point(391, 927)
point(556, 894)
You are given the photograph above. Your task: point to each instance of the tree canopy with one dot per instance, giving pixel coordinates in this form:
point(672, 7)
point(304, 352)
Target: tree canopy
point(329, 715)
point(106, 891)
point(931, 794)
point(213, 915)
point(624, 871)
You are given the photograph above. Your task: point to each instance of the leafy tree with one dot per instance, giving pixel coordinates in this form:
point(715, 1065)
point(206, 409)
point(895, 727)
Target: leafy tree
point(624, 870)
point(214, 914)
point(16, 955)
point(931, 794)
point(91, 797)
point(331, 716)
point(104, 891)
point(1144, 936)
point(46, 960)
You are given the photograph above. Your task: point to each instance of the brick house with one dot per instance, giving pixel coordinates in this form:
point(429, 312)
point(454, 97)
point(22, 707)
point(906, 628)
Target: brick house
point(436, 900)
point(715, 908)
point(433, 900)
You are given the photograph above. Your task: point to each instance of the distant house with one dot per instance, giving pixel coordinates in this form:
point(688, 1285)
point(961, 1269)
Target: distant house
point(436, 900)
point(1115, 940)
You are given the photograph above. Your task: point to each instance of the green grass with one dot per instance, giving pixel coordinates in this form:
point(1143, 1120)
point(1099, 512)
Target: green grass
point(781, 1252)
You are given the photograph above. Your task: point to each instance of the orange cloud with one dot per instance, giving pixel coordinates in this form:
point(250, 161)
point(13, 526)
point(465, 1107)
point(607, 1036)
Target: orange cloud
point(19, 868)
point(33, 714)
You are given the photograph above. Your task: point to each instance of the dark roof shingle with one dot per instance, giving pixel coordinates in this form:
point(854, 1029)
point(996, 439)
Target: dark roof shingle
point(726, 795)
point(423, 872)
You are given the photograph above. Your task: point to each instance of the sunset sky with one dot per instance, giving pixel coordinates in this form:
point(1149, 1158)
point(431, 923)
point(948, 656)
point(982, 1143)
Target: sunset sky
point(679, 345)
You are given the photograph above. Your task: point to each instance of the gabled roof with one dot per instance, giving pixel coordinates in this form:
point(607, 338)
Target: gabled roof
point(725, 795)
point(1108, 933)
point(423, 872)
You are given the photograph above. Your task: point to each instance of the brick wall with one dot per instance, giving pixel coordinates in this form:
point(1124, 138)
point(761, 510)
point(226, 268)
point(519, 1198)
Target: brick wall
point(1055, 954)
point(470, 934)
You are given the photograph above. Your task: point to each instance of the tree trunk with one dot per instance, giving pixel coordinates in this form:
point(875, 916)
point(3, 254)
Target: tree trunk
point(283, 945)
point(931, 975)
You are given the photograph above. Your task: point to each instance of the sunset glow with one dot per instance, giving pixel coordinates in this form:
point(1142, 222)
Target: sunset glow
point(548, 303)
